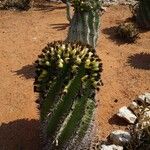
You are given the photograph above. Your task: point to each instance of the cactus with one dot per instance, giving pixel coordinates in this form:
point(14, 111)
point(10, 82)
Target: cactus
point(142, 13)
point(85, 22)
point(68, 11)
point(67, 75)
point(68, 4)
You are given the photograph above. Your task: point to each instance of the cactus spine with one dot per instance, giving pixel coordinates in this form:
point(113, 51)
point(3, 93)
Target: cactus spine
point(67, 75)
point(143, 13)
point(85, 22)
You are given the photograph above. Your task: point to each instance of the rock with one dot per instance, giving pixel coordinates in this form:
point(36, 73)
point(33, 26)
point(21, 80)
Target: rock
point(120, 137)
point(144, 98)
point(111, 147)
point(125, 113)
point(103, 8)
point(135, 108)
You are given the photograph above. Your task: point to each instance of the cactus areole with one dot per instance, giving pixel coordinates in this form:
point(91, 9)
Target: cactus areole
point(85, 22)
point(67, 77)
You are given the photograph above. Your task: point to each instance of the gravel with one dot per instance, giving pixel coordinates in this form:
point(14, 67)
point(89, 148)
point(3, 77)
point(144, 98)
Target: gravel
point(116, 2)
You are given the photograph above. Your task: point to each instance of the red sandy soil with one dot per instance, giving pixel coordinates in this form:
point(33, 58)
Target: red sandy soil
point(24, 34)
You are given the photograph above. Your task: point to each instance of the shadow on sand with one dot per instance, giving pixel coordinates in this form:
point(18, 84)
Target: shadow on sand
point(20, 134)
point(139, 61)
point(27, 71)
point(47, 6)
point(112, 35)
point(115, 120)
point(60, 26)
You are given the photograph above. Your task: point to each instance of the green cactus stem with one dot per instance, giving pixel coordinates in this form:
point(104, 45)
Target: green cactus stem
point(85, 23)
point(68, 12)
point(68, 4)
point(67, 77)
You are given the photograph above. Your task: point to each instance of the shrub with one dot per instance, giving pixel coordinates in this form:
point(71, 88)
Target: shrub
point(16, 4)
point(127, 32)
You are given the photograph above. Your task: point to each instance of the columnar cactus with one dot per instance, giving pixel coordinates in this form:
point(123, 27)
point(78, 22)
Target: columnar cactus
point(142, 13)
point(85, 22)
point(67, 77)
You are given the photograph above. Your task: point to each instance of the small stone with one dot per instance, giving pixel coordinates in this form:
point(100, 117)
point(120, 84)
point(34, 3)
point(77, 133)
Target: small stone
point(135, 108)
point(115, 100)
point(134, 105)
point(144, 98)
point(125, 113)
point(104, 8)
point(120, 137)
point(34, 38)
point(111, 147)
